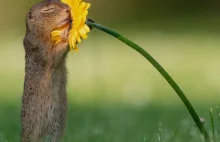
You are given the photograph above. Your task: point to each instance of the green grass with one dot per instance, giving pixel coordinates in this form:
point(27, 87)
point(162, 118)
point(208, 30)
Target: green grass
point(117, 123)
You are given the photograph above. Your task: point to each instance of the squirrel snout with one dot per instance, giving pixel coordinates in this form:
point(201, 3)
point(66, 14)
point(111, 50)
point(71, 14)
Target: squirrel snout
point(68, 9)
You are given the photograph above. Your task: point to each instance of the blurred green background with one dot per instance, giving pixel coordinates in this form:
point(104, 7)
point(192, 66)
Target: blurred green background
point(114, 94)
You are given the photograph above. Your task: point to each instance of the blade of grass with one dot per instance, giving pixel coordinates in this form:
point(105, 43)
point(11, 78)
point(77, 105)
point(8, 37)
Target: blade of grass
point(160, 135)
point(160, 69)
point(175, 133)
point(213, 125)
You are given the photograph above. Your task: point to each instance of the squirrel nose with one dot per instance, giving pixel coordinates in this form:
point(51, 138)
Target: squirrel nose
point(68, 9)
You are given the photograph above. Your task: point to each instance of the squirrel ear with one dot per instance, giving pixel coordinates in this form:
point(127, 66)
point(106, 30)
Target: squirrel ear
point(29, 15)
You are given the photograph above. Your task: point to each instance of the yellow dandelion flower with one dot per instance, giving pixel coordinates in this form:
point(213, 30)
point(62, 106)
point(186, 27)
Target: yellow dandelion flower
point(79, 29)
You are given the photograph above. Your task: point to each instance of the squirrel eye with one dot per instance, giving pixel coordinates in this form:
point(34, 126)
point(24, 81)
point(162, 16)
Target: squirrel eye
point(50, 9)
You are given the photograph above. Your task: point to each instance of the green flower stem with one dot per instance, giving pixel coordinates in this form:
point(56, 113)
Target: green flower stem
point(162, 71)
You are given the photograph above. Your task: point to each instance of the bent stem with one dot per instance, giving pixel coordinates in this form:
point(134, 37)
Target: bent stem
point(161, 70)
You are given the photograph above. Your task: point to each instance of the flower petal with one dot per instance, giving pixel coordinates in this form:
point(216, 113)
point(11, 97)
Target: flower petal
point(86, 28)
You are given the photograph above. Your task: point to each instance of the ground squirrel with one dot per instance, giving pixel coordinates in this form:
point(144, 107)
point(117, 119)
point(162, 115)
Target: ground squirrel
point(44, 98)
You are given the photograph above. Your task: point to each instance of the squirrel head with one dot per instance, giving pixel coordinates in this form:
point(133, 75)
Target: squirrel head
point(41, 20)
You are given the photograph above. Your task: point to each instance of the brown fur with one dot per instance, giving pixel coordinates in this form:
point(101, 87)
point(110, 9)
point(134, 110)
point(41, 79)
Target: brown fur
point(44, 98)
